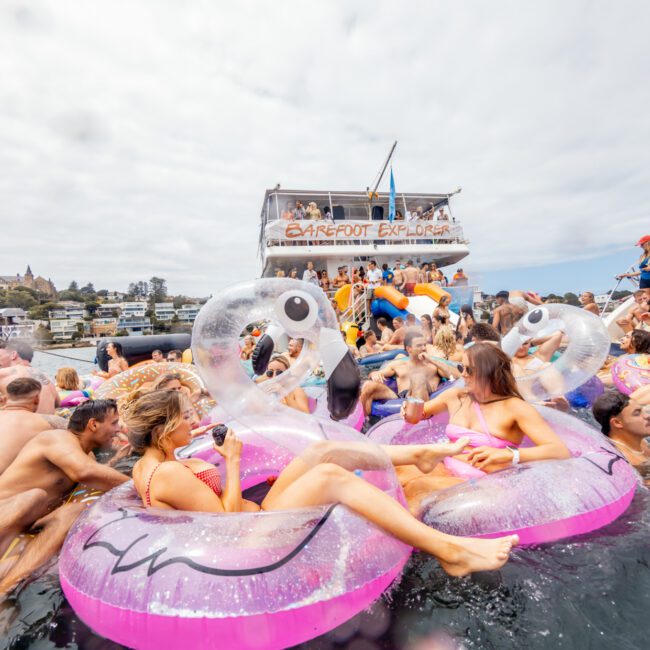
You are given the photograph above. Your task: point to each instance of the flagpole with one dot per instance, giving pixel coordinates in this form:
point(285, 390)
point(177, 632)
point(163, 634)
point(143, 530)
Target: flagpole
point(383, 170)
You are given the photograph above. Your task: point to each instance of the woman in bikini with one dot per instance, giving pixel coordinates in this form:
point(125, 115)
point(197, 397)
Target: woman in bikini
point(160, 422)
point(490, 412)
point(116, 364)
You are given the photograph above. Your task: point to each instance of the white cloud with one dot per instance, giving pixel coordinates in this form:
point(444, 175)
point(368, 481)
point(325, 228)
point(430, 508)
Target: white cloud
point(137, 138)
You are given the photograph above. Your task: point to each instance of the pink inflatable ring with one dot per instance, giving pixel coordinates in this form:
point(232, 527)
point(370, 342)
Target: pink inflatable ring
point(540, 501)
point(630, 372)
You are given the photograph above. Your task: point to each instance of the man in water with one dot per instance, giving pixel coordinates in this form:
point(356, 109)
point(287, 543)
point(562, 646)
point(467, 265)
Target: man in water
point(175, 356)
point(417, 376)
point(41, 476)
point(294, 349)
point(19, 422)
point(626, 421)
point(371, 345)
point(396, 340)
point(157, 356)
point(638, 314)
point(411, 276)
point(505, 315)
point(15, 362)
point(588, 302)
point(386, 332)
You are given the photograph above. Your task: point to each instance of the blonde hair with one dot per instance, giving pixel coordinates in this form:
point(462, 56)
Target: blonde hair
point(153, 417)
point(445, 339)
point(67, 379)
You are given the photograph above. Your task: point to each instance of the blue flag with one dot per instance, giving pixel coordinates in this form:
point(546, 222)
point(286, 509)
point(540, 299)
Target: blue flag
point(391, 197)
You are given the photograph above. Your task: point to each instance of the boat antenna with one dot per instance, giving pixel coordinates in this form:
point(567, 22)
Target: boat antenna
point(373, 193)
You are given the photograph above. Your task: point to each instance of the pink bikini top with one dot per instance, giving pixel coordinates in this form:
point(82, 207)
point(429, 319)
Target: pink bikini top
point(477, 438)
point(210, 477)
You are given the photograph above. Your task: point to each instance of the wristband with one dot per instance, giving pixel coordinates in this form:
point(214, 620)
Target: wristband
point(515, 455)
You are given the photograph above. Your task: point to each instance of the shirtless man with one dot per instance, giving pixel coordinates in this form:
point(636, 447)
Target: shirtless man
point(371, 345)
point(294, 349)
point(638, 314)
point(15, 362)
point(505, 315)
point(626, 421)
point(19, 422)
point(396, 341)
point(398, 276)
point(386, 332)
point(40, 477)
point(341, 279)
point(418, 376)
point(411, 278)
point(588, 302)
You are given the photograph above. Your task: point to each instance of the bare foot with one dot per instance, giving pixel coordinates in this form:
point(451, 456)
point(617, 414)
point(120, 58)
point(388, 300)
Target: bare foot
point(467, 554)
point(430, 455)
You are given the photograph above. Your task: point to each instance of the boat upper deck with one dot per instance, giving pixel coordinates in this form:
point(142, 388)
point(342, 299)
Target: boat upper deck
point(338, 219)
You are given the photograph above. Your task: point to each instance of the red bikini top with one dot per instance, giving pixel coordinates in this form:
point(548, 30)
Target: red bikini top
point(210, 477)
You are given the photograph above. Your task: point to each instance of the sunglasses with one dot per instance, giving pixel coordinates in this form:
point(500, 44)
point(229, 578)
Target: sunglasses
point(273, 373)
point(463, 369)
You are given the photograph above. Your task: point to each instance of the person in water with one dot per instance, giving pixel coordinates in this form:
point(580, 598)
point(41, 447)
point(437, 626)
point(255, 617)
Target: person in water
point(15, 362)
point(297, 399)
point(19, 422)
point(639, 314)
point(418, 376)
point(39, 479)
point(506, 314)
point(116, 364)
point(626, 421)
point(491, 412)
point(323, 474)
point(588, 302)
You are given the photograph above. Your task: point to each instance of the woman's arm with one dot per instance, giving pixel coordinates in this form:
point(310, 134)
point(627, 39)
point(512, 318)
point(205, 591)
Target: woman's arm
point(440, 403)
point(548, 445)
point(231, 451)
point(299, 400)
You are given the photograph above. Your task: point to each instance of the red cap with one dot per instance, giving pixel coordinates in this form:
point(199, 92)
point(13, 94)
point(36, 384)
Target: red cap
point(643, 240)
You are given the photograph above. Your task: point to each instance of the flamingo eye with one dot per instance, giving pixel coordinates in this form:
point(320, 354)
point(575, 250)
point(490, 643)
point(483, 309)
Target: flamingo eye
point(536, 320)
point(296, 310)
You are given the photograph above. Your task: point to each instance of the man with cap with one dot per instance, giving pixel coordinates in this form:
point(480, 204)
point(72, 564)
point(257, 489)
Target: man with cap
point(644, 265)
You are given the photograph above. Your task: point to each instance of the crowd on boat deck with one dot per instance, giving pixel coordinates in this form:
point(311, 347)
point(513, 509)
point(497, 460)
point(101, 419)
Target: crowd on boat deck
point(297, 211)
point(44, 456)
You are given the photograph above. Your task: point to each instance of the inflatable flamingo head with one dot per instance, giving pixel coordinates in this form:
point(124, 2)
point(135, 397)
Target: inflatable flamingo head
point(289, 307)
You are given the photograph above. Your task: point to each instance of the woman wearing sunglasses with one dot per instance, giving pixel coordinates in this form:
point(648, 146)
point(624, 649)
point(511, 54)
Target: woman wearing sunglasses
point(489, 411)
point(297, 398)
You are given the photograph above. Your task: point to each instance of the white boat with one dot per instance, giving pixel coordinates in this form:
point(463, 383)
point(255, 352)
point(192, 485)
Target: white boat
point(355, 229)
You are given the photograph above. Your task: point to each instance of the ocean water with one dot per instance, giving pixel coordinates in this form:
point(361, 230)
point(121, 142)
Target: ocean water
point(81, 359)
point(590, 592)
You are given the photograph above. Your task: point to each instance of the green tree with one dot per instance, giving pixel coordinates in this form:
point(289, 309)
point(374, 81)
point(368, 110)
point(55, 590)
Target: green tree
point(67, 294)
point(92, 307)
point(43, 335)
point(73, 286)
point(157, 289)
point(102, 293)
point(571, 299)
point(179, 301)
point(21, 300)
point(40, 312)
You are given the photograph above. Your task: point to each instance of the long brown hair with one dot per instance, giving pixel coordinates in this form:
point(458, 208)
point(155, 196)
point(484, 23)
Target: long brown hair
point(491, 367)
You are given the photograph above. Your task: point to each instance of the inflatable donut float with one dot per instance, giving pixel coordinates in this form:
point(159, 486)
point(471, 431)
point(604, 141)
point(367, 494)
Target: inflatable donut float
point(630, 372)
point(160, 579)
point(540, 501)
point(584, 356)
point(124, 383)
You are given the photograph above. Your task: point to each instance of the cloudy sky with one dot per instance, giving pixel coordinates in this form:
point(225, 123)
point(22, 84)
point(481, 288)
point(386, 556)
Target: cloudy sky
point(138, 137)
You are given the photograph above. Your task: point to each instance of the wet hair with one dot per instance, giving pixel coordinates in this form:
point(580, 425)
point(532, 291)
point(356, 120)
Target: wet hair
point(152, 418)
point(468, 311)
point(491, 367)
point(118, 348)
point(67, 379)
point(445, 339)
point(23, 349)
point(503, 294)
point(608, 406)
point(410, 335)
point(382, 321)
point(640, 341)
point(23, 387)
point(164, 380)
point(484, 332)
point(97, 409)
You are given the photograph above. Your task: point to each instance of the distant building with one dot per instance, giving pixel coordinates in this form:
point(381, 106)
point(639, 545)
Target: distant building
point(165, 311)
point(188, 313)
point(28, 280)
point(14, 324)
point(100, 327)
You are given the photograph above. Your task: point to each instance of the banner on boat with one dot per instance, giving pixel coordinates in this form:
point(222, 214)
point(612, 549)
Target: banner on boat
point(352, 230)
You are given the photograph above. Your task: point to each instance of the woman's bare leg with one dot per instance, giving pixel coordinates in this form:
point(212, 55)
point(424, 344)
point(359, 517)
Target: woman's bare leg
point(329, 483)
point(422, 486)
point(424, 457)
